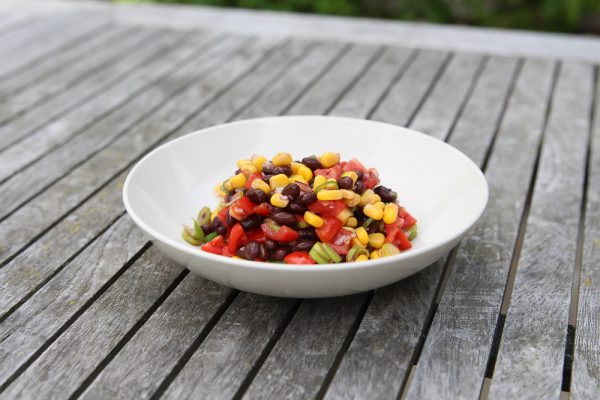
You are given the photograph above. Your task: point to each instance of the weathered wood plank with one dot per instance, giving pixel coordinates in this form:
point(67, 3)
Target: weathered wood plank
point(460, 338)
point(370, 86)
point(70, 190)
point(13, 235)
point(31, 73)
point(326, 91)
point(530, 358)
point(69, 360)
point(397, 107)
point(72, 30)
point(380, 354)
point(77, 70)
point(586, 367)
point(73, 97)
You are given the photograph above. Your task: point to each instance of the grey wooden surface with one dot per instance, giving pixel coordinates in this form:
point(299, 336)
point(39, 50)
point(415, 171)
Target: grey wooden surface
point(89, 308)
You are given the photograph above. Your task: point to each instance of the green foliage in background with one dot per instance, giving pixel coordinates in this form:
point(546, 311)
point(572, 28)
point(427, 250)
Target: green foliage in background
point(549, 15)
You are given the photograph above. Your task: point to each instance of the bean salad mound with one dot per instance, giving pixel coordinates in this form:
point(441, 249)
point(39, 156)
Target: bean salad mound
point(319, 210)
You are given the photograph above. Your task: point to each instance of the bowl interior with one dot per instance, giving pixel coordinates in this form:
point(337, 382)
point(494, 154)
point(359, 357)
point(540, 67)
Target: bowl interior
point(440, 186)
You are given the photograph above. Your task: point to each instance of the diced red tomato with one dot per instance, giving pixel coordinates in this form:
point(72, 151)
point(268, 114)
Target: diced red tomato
point(409, 220)
point(330, 228)
point(263, 209)
point(222, 215)
point(236, 238)
point(251, 178)
point(256, 235)
point(241, 208)
point(278, 233)
point(328, 207)
point(215, 246)
point(226, 252)
point(354, 165)
point(370, 178)
point(299, 257)
point(398, 238)
point(341, 242)
point(334, 172)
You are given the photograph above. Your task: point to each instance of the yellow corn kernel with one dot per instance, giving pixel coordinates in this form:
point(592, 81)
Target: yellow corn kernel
point(380, 204)
point(344, 215)
point(373, 211)
point(313, 219)
point(390, 213)
point(354, 201)
point(375, 255)
point(281, 159)
point(319, 180)
point(236, 257)
point(295, 167)
point(280, 180)
point(356, 242)
point(347, 194)
point(227, 186)
point(261, 185)
point(243, 162)
point(329, 194)
point(214, 214)
point(362, 257)
point(237, 181)
point(258, 162)
point(328, 159)
point(351, 222)
point(369, 197)
point(278, 200)
point(305, 172)
point(352, 175)
point(362, 235)
point(219, 191)
point(298, 178)
point(376, 240)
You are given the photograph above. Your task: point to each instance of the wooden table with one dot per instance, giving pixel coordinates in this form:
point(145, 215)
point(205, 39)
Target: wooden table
point(90, 309)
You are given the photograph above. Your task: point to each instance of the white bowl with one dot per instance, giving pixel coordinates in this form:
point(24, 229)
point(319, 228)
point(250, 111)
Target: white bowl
point(439, 185)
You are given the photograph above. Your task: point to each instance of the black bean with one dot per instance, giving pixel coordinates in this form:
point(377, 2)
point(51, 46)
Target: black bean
point(296, 208)
point(267, 168)
point(303, 245)
point(251, 222)
point(282, 169)
point(359, 174)
point(280, 253)
point(307, 233)
point(252, 250)
point(291, 190)
point(387, 195)
point(312, 163)
point(263, 253)
point(346, 182)
point(270, 244)
point(284, 218)
point(267, 177)
point(306, 198)
point(359, 187)
point(221, 230)
point(240, 252)
point(207, 228)
point(230, 220)
point(256, 196)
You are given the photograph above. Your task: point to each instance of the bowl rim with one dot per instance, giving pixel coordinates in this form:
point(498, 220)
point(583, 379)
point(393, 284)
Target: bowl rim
point(196, 252)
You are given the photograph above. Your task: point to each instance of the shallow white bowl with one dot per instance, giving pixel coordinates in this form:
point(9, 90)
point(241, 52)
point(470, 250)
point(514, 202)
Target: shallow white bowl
point(439, 185)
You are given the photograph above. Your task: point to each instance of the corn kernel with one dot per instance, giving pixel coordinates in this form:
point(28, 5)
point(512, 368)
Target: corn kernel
point(295, 167)
point(380, 204)
point(258, 162)
point(214, 214)
point(354, 201)
point(362, 257)
point(369, 197)
point(282, 159)
point(376, 240)
point(227, 186)
point(305, 172)
point(278, 200)
point(313, 219)
point(329, 194)
point(219, 191)
point(347, 194)
point(357, 242)
point(261, 185)
point(390, 213)
point(373, 211)
point(352, 222)
point(248, 169)
point(362, 235)
point(242, 162)
point(319, 180)
point(375, 255)
point(344, 215)
point(280, 180)
point(328, 159)
point(353, 175)
point(298, 178)
point(237, 181)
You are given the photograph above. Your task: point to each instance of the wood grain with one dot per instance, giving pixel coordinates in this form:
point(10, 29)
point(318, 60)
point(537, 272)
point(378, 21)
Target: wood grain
point(530, 359)
point(459, 340)
point(586, 367)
